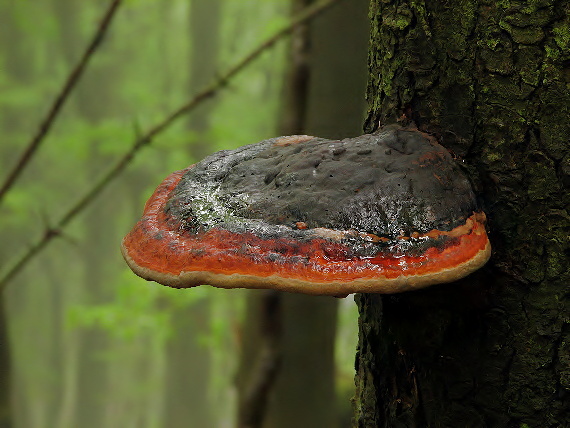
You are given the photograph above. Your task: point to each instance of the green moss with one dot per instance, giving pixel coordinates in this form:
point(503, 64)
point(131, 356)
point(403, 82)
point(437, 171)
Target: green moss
point(552, 53)
point(562, 36)
point(398, 22)
point(554, 136)
point(556, 262)
point(528, 60)
point(544, 181)
point(503, 4)
point(532, 15)
point(533, 270)
point(420, 10)
point(491, 43)
point(398, 18)
point(458, 26)
point(524, 35)
point(498, 60)
point(493, 157)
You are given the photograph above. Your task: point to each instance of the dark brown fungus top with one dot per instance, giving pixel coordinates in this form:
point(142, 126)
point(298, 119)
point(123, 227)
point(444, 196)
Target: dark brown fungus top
point(383, 212)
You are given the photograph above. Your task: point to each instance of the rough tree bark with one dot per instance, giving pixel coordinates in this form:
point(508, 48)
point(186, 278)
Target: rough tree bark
point(492, 80)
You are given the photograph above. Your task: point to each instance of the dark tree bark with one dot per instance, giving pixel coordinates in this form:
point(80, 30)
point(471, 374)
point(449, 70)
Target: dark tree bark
point(492, 80)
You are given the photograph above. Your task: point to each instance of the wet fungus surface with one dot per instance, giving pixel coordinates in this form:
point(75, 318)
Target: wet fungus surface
point(383, 212)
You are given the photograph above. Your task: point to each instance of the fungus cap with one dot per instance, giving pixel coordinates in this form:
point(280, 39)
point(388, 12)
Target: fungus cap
point(380, 213)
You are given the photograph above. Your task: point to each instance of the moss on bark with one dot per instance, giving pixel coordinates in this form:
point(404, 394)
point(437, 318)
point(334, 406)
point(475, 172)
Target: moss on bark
point(492, 80)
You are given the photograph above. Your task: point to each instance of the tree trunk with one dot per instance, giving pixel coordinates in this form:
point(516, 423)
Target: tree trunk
point(205, 30)
point(492, 80)
point(19, 48)
point(95, 99)
point(187, 401)
point(319, 98)
point(304, 394)
point(8, 122)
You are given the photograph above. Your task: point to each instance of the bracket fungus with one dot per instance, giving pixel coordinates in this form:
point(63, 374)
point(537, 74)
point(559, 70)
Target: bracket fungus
point(380, 213)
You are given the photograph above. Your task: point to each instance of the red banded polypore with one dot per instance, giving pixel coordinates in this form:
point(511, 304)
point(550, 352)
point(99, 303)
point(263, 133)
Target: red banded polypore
point(380, 213)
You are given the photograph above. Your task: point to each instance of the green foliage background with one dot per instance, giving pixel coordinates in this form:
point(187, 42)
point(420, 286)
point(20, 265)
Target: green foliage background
point(78, 298)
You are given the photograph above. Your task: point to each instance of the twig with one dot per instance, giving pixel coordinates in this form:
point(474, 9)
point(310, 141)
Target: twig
point(60, 100)
point(144, 140)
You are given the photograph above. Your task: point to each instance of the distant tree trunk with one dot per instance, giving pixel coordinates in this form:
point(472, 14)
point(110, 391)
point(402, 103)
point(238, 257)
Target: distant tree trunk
point(17, 49)
point(11, 60)
point(304, 394)
point(325, 74)
point(205, 18)
point(187, 401)
point(15, 45)
point(492, 80)
point(95, 99)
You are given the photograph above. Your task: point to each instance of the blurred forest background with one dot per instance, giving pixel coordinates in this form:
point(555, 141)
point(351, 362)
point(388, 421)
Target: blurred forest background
point(90, 344)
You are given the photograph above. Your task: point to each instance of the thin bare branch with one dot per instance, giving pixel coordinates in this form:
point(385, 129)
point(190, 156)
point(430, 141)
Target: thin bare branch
point(144, 140)
point(60, 100)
